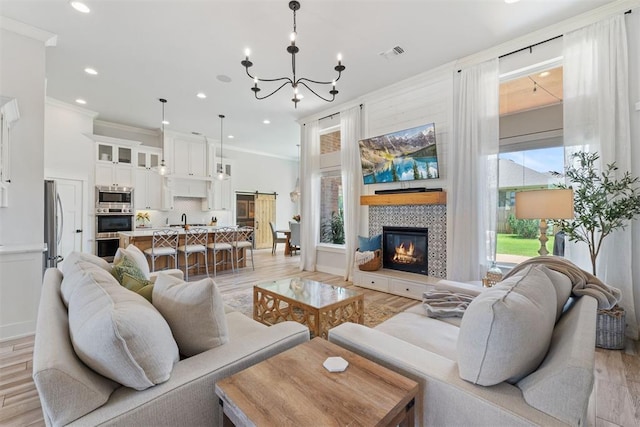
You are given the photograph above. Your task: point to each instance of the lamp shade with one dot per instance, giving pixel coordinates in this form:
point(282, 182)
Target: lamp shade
point(545, 204)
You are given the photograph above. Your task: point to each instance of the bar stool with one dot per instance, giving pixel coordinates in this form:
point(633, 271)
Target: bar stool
point(164, 243)
point(244, 240)
point(222, 241)
point(195, 242)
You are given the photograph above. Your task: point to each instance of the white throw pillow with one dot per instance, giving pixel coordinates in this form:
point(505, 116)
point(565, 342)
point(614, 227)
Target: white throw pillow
point(506, 330)
point(118, 333)
point(194, 311)
point(70, 267)
point(133, 252)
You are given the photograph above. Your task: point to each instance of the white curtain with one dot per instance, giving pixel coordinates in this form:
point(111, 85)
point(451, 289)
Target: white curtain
point(310, 197)
point(473, 173)
point(350, 133)
point(596, 119)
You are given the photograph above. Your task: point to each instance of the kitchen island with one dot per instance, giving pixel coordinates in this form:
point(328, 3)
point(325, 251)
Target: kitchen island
point(143, 237)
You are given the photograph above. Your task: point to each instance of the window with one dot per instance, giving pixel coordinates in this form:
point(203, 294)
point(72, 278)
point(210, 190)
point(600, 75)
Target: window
point(531, 157)
point(331, 208)
point(331, 199)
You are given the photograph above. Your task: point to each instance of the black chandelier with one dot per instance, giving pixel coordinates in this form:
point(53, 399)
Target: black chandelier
point(293, 81)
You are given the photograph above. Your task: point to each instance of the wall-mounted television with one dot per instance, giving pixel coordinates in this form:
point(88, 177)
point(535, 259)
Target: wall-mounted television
point(405, 155)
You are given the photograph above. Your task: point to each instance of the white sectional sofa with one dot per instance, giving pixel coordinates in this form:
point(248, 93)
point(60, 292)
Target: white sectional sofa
point(540, 369)
point(71, 393)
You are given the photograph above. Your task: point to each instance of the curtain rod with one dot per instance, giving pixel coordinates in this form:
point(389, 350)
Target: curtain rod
point(333, 114)
point(539, 43)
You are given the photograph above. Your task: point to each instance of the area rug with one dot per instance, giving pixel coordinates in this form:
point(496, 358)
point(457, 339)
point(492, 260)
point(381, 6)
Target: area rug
point(374, 313)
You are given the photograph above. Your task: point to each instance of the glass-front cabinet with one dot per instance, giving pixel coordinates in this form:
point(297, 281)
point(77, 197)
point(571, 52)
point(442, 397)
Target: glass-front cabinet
point(114, 154)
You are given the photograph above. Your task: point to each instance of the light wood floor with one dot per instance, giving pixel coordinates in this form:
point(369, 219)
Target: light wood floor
point(615, 400)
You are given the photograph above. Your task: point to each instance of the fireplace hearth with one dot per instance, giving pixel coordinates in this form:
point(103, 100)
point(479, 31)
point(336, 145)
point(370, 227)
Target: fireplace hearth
point(405, 249)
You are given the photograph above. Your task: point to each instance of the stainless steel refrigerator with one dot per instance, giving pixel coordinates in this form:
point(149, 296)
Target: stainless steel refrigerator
point(53, 223)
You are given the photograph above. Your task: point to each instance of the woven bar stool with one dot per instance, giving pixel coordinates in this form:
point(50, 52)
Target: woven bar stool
point(222, 241)
point(244, 240)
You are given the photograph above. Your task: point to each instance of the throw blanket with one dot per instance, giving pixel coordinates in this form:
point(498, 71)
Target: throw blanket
point(584, 283)
point(443, 303)
point(364, 257)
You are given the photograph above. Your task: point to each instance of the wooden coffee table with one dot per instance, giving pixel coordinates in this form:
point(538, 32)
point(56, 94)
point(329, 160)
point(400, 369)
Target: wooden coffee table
point(316, 305)
point(294, 389)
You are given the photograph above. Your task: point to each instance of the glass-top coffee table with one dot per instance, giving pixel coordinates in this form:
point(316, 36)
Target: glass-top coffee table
point(317, 305)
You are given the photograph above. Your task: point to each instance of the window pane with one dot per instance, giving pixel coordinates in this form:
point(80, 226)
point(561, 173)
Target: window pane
point(330, 142)
point(518, 239)
point(331, 208)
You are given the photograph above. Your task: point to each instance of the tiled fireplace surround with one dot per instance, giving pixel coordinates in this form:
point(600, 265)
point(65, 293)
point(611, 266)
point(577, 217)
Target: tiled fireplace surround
point(433, 217)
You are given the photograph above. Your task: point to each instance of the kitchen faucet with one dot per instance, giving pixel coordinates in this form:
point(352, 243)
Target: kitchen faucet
point(184, 219)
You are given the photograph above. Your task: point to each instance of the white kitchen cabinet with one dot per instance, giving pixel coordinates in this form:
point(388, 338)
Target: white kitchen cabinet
point(114, 161)
point(222, 189)
point(189, 187)
point(148, 189)
point(148, 158)
point(114, 174)
point(190, 158)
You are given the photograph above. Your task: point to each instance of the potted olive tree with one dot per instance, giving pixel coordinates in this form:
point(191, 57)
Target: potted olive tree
point(602, 202)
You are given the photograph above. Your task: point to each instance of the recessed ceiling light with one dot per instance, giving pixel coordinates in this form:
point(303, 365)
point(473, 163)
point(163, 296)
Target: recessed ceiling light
point(79, 6)
point(544, 74)
point(201, 95)
point(266, 122)
point(81, 101)
point(230, 136)
point(165, 122)
point(223, 78)
point(91, 71)
point(511, 1)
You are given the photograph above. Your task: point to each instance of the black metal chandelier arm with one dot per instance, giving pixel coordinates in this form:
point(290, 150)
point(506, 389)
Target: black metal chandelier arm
point(279, 87)
point(288, 80)
point(316, 93)
point(318, 82)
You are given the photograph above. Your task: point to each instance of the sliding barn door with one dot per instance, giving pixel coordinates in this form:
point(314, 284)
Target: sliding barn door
point(265, 211)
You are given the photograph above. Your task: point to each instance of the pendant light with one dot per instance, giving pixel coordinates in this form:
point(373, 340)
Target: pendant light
point(163, 165)
point(220, 174)
point(295, 194)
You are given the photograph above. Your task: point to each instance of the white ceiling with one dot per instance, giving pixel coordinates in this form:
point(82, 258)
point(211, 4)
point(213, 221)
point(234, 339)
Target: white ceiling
point(144, 50)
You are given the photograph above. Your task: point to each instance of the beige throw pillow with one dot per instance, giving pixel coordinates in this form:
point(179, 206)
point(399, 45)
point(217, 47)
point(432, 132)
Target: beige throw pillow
point(506, 330)
point(194, 311)
point(118, 333)
point(70, 266)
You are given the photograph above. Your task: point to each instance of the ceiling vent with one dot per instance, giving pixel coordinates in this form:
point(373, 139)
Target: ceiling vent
point(392, 53)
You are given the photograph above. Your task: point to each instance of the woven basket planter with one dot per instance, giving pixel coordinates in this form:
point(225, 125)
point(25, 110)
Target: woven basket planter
point(374, 264)
point(610, 328)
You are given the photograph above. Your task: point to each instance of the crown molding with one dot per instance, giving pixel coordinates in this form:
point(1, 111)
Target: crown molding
point(127, 128)
point(74, 108)
point(49, 39)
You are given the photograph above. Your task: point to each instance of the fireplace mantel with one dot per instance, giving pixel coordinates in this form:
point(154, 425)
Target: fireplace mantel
point(427, 198)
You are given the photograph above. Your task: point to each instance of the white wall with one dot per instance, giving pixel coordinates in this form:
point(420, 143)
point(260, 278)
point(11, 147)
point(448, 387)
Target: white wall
point(69, 154)
point(22, 76)
point(256, 172)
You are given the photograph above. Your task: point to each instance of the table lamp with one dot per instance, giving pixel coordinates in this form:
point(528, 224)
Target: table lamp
point(543, 205)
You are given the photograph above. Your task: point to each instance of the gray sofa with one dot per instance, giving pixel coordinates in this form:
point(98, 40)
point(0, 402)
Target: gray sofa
point(73, 394)
point(438, 352)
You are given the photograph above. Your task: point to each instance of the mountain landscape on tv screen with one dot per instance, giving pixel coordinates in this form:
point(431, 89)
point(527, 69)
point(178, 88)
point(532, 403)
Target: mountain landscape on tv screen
point(405, 155)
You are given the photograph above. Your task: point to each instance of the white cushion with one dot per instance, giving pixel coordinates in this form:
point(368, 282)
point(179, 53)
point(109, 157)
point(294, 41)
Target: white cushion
point(160, 251)
point(562, 285)
point(70, 265)
point(195, 312)
point(506, 330)
point(118, 333)
point(133, 252)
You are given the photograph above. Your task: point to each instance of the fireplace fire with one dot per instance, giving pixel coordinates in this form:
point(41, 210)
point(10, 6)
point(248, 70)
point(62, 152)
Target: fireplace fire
point(405, 249)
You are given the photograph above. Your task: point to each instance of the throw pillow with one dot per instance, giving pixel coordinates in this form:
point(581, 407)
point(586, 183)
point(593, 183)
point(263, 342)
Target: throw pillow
point(194, 311)
point(370, 243)
point(119, 334)
point(128, 266)
point(133, 252)
point(506, 330)
point(142, 287)
point(70, 267)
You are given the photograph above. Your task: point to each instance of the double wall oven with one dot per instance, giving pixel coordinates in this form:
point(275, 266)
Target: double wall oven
point(114, 213)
